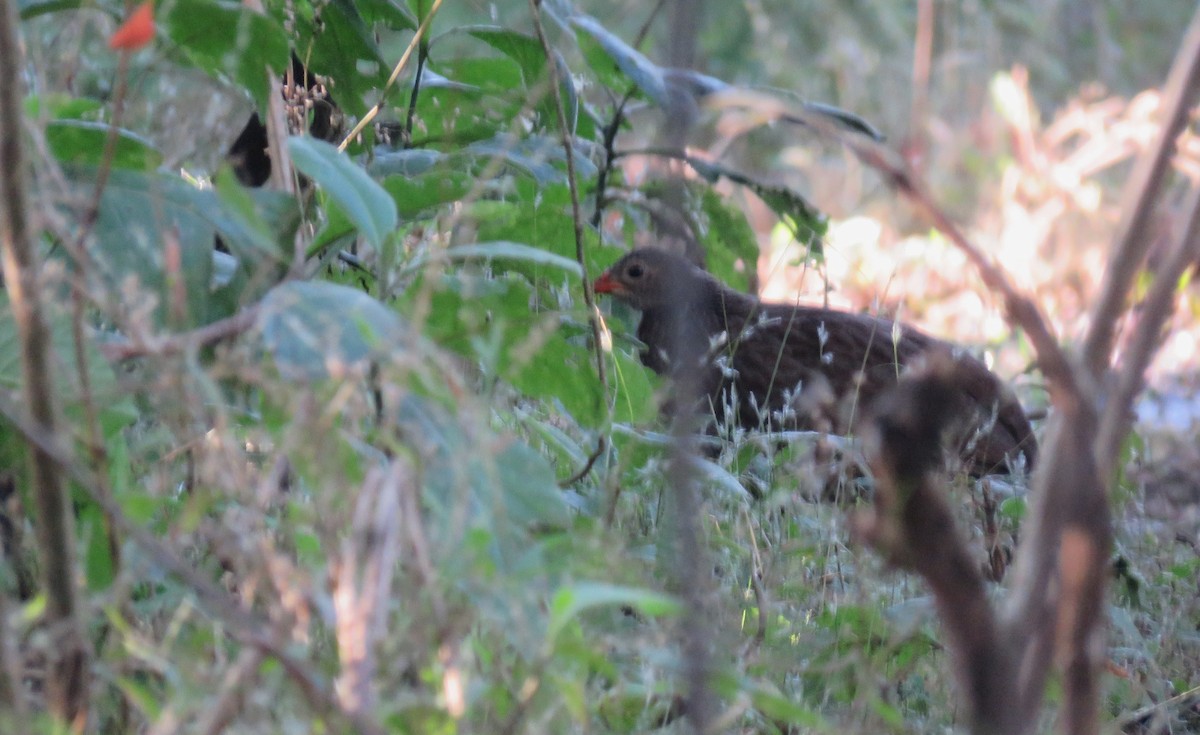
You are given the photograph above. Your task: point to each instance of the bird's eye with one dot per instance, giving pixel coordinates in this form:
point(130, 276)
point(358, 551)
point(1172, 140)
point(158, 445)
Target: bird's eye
point(635, 271)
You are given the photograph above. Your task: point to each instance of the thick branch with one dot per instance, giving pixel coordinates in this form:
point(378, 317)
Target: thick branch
point(1057, 596)
point(912, 526)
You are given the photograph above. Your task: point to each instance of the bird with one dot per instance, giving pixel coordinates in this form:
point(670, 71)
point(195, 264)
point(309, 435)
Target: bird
point(778, 366)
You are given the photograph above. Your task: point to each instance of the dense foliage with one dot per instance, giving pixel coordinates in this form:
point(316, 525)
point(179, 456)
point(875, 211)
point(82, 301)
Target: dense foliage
point(416, 474)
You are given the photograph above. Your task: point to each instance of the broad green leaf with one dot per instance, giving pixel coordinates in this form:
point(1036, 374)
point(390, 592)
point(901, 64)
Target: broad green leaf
point(513, 251)
point(227, 40)
point(531, 492)
point(102, 382)
point(573, 599)
point(33, 8)
point(522, 48)
point(507, 488)
point(806, 223)
point(641, 71)
point(633, 389)
point(257, 224)
point(359, 196)
point(541, 215)
point(82, 142)
point(564, 372)
point(405, 162)
point(452, 116)
point(783, 710)
point(527, 51)
point(543, 355)
point(390, 13)
point(537, 156)
point(156, 230)
point(727, 238)
point(417, 195)
point(316, 330)
point(99, 570)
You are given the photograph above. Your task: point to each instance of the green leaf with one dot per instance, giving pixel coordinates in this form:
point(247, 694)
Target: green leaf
point(573, 599)
point(156, 230)
point(102, 382)
point(315, 330)
point(541, 215)
point(227, 40)
point(363, 200)
point(481, 482)
point(33, 8)
point(634, 390)
point(513, 251)
point(417, 195)
point(531, 493)
point(806, 223)
point(99, 570)
point(339, 44)
point(522, 48)
point(641, 71)
point(528, 53)
point(392, 14)
point(727, 239)
point(542, 355)
point(82, 142)
point(258, 224)
point(562, 371)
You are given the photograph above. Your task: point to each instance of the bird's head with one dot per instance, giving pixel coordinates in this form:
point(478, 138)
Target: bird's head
point(648, 278)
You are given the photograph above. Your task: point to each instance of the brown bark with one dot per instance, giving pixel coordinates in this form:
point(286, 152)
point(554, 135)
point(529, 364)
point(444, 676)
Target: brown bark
point(66, 677)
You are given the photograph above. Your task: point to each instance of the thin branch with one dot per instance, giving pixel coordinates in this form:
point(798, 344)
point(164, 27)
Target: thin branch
point(565, 135)
point(378, 106)
point(67, 675)
point(1155, 310)
point(422, 57)
point(229, 701)
point(180, 343)
point(587, 466)
point(244, 626)
point(1130, 242)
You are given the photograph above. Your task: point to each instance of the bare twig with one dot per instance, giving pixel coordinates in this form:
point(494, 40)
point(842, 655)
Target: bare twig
point(244, 626)
point(232, 696)
point(589, 297)
point(692, 573)
point(67, 676)
point(362, 581)
point(180, 343)
point(422, 56)
point(587, 465)
point(12, 699)
point(922, 56)
point(1130, 242)
point(1155, 310)
point(378, 106)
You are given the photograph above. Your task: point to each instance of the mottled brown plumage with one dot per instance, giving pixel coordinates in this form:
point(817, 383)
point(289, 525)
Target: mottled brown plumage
point(780, 366)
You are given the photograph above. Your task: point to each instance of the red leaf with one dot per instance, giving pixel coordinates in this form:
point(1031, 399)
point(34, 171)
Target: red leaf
point(136, 31)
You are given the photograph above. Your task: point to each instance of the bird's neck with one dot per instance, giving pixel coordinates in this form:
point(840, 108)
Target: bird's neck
point(687, 328)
